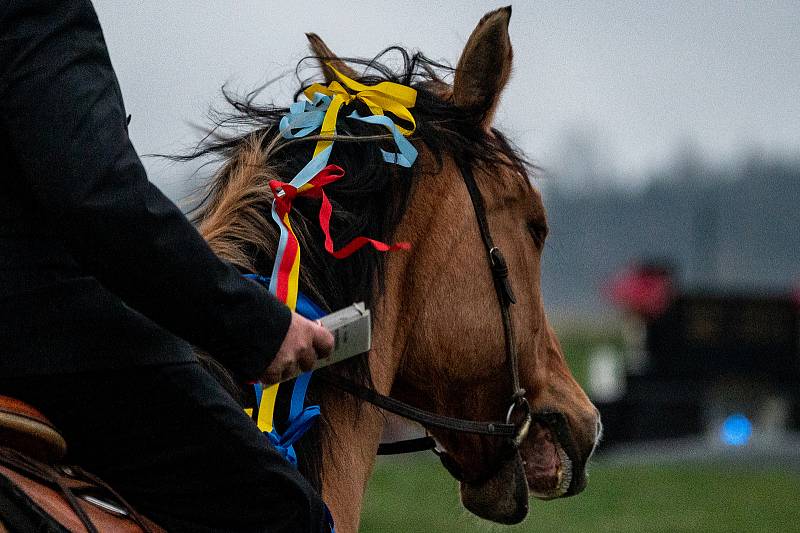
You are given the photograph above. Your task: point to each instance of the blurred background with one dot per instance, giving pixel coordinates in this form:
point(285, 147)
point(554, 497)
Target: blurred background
point(668, 138)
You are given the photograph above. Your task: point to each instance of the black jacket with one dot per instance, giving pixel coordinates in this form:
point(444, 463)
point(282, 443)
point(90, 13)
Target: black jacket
point(98, 269)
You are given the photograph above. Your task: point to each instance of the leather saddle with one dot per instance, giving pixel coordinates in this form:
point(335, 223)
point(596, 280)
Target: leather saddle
point(39, 493)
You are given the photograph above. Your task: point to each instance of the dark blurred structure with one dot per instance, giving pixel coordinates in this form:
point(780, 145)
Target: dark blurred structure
point(730, 226)
point(721, 363)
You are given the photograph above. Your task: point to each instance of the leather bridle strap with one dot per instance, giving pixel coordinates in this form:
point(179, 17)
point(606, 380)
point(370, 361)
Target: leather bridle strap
point(420, 444)
point(428, 419)
point(502, 285)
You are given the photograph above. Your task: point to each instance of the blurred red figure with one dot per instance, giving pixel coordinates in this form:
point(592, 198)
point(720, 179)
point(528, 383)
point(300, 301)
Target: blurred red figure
point(644, 290)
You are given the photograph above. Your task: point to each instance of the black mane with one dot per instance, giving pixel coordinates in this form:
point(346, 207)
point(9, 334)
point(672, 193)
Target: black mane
point(372, 197)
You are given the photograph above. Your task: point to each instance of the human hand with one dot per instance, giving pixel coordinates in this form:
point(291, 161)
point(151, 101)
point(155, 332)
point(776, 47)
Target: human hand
point(305, 342)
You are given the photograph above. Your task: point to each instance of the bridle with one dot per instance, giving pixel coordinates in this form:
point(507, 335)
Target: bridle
point(513, 432)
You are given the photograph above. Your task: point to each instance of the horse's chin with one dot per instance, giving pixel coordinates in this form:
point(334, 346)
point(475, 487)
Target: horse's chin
point(502, 498)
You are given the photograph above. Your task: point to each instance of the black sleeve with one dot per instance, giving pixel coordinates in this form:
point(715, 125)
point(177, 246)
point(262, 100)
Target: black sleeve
point(61, 107)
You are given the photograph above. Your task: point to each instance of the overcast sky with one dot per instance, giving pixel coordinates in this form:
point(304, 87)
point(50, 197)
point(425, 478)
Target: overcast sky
point(642, 78)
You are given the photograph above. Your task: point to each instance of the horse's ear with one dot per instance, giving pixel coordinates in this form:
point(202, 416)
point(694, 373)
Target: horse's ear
point(485, 65)
point(320, 50)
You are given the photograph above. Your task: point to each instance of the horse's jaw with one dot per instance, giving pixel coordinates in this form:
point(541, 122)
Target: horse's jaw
point(502, 498)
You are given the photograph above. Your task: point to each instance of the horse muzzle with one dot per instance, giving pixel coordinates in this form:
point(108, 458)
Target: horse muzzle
point(554, 459)
point(548, 464)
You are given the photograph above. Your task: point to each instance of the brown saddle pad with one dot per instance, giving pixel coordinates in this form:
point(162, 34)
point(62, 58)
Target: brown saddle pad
point(38, 495)
point(68, 496)
point(24, 428)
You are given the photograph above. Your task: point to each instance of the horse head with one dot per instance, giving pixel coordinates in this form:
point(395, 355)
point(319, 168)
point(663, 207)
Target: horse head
point(438, 338)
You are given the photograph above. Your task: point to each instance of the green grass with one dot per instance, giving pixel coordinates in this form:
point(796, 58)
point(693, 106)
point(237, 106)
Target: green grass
point(417, 495)
point(578, 345)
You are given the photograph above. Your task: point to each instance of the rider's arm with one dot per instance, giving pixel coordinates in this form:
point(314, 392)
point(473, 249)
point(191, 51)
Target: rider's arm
point(61, 107)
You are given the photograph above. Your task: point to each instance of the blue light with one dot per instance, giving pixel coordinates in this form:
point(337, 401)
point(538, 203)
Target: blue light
point(736, 430)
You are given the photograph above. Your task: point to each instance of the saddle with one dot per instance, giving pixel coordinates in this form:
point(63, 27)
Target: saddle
point(38, 493)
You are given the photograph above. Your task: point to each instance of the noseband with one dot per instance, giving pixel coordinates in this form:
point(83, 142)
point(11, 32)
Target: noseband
point(519, 409)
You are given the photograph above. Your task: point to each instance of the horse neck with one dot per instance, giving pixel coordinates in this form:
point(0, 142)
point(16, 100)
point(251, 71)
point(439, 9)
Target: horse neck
point(349, 452)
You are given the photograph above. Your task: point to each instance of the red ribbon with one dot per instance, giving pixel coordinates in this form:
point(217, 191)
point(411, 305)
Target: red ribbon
point(285, 194)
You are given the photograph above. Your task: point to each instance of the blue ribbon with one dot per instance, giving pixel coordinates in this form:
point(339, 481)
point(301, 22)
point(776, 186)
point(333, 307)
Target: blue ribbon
point(297, 428)
point(305, 306)
point(329, 518)
point(406, 155)
point(305, 175)
point(304, 116)
point(301, 418)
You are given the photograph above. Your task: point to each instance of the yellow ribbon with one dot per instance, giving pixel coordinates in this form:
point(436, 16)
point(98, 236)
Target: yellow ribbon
point(383, 97)
point(266, 408)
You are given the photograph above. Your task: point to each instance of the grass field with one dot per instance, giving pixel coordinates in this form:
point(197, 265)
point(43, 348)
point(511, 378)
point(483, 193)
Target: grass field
point(417, 496)
point(578, 345)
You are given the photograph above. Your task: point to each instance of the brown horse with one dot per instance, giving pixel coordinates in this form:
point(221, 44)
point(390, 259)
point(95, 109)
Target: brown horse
point(438, 339)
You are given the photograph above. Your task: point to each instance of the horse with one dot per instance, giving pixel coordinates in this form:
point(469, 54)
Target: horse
point(438, 334)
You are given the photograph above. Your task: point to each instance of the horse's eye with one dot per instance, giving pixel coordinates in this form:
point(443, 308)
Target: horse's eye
point(538, 230)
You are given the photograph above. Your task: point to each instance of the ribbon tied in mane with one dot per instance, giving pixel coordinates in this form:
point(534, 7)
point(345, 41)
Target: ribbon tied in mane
point(321, 111)
point(285, 194)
